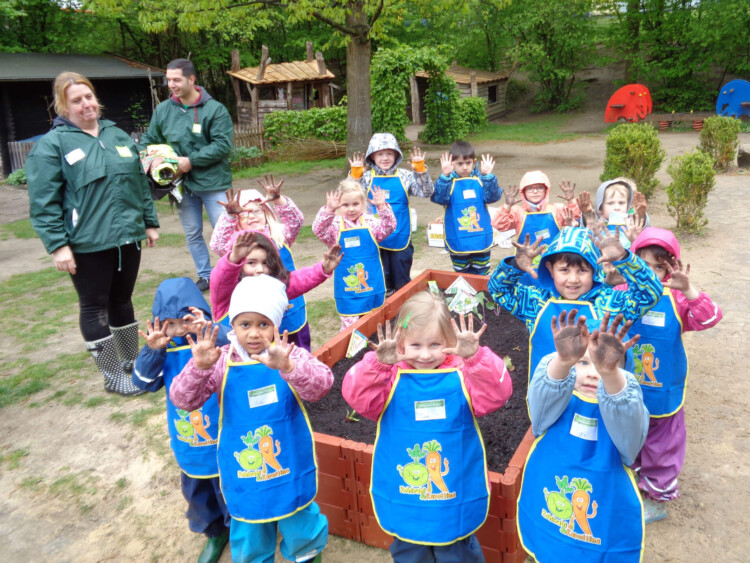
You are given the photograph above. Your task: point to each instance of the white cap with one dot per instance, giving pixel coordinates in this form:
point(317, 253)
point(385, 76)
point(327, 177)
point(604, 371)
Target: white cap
point(259, 294)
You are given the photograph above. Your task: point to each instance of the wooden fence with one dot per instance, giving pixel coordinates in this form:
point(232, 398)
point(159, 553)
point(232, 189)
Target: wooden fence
point(18, 153)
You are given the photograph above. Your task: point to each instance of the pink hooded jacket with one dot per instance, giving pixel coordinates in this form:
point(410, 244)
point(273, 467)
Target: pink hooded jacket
point(512, 218)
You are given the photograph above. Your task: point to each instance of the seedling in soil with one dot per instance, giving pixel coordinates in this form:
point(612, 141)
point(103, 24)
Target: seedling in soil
point(509, 363)
point(351, 416)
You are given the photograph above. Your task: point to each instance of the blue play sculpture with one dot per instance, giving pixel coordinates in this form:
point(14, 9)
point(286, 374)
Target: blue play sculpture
point(734, 99)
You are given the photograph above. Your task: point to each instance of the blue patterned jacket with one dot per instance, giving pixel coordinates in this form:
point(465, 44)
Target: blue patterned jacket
point(525, 302)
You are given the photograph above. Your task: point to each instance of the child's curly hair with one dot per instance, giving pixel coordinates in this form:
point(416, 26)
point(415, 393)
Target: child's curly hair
point(276, 268)
point(425, 310)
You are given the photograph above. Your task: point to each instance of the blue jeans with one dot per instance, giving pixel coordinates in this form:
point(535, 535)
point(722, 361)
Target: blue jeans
point(190, 211)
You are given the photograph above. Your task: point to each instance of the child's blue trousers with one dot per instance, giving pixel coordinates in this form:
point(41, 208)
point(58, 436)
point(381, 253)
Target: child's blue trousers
point(397, 266)
point(474, 263)
point(207, 512)
point(466, 550)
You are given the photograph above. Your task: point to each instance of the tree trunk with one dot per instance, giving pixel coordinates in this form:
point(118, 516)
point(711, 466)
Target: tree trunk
point(358, 114)
point(632, 26)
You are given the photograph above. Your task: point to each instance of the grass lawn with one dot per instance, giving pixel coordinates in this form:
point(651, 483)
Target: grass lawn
point(289, 168)
point(544, 129)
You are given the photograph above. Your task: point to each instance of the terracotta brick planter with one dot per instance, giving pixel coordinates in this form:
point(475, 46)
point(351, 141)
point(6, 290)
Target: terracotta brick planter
point(345, 465)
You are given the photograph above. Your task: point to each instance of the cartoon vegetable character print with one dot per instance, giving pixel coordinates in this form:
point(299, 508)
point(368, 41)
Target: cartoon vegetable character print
point(432, 461)
point(362, 276)
point(474, 218)
point(645, 361)
point(357, 278)
point(414, 474)
point(249, 458)
point(557, 503)
point(470, 219)
point(580, 501)
point(265, 444)
point(200, 422)
point(184, 428)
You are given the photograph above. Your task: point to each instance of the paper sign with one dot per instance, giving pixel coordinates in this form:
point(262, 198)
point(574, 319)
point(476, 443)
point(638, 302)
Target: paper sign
point(463, 303)
point(584, 427)
point(429, 410)
point(357, 342)
point(263, 396)
point(432, 284)
point(74, 156)
point(654, 318)
point(460, 285)
point(542, 234)
point(351, 242)
point(470, 194)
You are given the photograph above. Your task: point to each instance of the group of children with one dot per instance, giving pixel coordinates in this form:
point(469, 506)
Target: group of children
point(604, 297)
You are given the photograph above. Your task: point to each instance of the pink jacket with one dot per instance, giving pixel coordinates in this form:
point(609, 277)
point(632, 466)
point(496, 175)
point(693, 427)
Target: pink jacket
point(367, 384)
point(310, 378)
point(326, 225)
point(227, 225)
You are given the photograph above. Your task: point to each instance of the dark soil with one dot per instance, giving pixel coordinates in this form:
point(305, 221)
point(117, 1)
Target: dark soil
point(502, 430)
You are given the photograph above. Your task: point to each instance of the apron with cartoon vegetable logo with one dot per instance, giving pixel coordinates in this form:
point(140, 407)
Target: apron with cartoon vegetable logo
point(467, 221)
point(266, 453)
point(537, 225)
point(578, 502)
point(429, 480)
point(295, 316)
point(397, 197)
point(358, 281)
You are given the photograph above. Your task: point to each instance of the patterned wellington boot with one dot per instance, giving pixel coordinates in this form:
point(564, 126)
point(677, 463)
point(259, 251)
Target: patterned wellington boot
point(126, 344)
point(116, 380)
point(653, 511)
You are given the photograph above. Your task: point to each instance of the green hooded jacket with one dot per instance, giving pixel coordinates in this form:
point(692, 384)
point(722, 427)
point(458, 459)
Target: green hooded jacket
point(202, 132)
point(89, 193)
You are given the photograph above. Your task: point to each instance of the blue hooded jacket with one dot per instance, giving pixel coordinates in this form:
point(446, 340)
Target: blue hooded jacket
point(525, 302)
point(173, 300)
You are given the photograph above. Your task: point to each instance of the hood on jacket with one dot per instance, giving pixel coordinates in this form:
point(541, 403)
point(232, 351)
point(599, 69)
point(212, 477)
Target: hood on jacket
point(175, 296)
point(205, 96)
point(659, 237)
point(529, 179)
point(379, 142)
point(629, 184)
point(571, 239)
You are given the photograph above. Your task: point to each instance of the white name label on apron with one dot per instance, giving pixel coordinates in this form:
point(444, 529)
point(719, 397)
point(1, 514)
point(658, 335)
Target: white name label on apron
point(429, 410)
point(351, 242)
point(197, 128)
point(542, 234)
point(469, 194)
point(654, 318)
point(74, 156)
point(263, 396)
point(584, 427)
point(387, 194)
point(124, 152)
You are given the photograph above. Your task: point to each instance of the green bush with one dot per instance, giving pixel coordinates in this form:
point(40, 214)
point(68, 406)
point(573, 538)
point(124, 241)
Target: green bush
point(692, 179)
point(634, 151)
point(238, 153)
point(316, 123)
point(514, 92)
point(445, 123)
point(16, 178)
point(474, 113)
point(720, 139)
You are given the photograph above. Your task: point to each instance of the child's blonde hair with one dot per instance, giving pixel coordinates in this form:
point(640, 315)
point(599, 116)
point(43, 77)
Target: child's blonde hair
point(424, 310)
point(350, 186)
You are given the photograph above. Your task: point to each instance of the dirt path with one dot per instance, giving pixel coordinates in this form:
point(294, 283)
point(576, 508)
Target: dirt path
point(96, 482)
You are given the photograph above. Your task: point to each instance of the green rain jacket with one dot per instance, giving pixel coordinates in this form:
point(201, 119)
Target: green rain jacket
point(89, 193)
point(202, 132)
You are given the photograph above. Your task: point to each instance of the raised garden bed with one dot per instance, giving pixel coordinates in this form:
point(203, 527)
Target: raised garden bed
point(345, 464)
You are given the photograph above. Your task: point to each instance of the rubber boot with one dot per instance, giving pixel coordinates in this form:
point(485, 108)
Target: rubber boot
point(213, 548)
point(115, 379)
point(126, 344)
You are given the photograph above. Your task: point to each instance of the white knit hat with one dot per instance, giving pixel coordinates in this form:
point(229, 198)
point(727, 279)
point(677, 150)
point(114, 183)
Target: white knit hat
point(259, 294)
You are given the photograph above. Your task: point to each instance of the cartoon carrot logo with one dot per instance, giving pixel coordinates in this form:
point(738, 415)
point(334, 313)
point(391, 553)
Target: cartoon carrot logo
point(362, 276)
point(432, 461)
point(200, 422)
point(645, 362)
point(265, 445)
point(580, 501)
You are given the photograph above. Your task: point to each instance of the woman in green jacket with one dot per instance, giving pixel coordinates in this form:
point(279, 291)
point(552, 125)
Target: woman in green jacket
point(91, 206)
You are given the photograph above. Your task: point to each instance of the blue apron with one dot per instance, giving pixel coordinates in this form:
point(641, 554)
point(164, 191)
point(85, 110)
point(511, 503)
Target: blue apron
point(578, 502)
point(398, 199)
point(224, 321)
point(467, 221)
point(429, 480)
point(541, 342)
point(267, 465)
point(661, 364)
point(295, 316)
point(192, 435)
point(358, 281)
point(537, 224)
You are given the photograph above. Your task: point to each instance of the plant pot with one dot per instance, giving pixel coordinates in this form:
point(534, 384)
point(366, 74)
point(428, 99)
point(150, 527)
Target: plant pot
point(344, 465)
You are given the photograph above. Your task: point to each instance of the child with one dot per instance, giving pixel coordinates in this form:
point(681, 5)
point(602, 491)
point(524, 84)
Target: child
point(266, 454)
point(253, 254)
point(590, 421)
point(383, 156)
point(569, 277)
point(358, 284)
point(465, 195)
point(425, 384)
point(618, 204)
point(179, 309)
point(662, 366)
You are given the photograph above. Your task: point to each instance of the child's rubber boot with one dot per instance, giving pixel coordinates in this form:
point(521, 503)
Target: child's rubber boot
point(116, 380)
point(654, 511)
point(213, 548)
point(126, 344)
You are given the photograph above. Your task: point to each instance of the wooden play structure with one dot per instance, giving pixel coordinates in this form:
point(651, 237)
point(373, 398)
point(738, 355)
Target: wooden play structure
point(629, 104)
point(296, 85)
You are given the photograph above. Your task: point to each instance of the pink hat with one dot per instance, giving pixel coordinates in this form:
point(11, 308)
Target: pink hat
point(534, 177)
point(659, 237)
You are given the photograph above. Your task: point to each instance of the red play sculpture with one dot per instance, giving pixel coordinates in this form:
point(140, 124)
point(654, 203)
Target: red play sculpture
point(630, 103)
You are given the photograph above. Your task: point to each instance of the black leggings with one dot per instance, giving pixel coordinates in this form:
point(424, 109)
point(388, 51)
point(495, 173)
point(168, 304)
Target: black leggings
point(104, 282)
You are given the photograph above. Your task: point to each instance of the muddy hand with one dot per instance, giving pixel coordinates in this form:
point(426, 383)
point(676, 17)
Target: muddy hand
point(526, 253)
point(331, 259)
point(512, 196)
point(386, 351)
point(570, 336)
point(568, 190)
point(606, 345)
point(205, 351)
point(467, 341)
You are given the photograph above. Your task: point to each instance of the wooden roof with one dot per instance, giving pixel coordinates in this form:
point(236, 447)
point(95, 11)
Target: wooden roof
point(281, 73)
point(462, 75)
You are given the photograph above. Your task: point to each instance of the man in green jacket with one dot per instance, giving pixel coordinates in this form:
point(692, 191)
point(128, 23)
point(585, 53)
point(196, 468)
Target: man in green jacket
point(199, 129)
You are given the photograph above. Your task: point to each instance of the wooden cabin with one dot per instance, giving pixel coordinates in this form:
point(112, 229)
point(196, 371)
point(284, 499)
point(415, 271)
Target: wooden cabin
point(296, 85)
point(487, 85)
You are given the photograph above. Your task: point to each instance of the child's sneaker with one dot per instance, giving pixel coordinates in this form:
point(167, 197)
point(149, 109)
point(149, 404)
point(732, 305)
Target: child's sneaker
point(654, 511)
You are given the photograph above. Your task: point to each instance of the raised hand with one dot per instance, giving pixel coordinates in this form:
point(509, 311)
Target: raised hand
point(416, 154)
point(568, 191)
point(570, 335)
point(525, 254)
point(584, 202)
point(277, 356)
point(378, 197)
point(606, 346)
point(679, 277)
point(608, 243)
point(512, 196)
point(634, 226)
point(155, 335)
point(568, 218)
point(272, 189)
point(244, 244)
point(386, 351)
point(487, 165)
point(357, 160)
point(640, 205)
point(195, 321)
point(467, 341)
point(232, 204)
point(332, 258)
point(446, 163)
point(612, 276)
point(205, 351)
point(333, 201)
